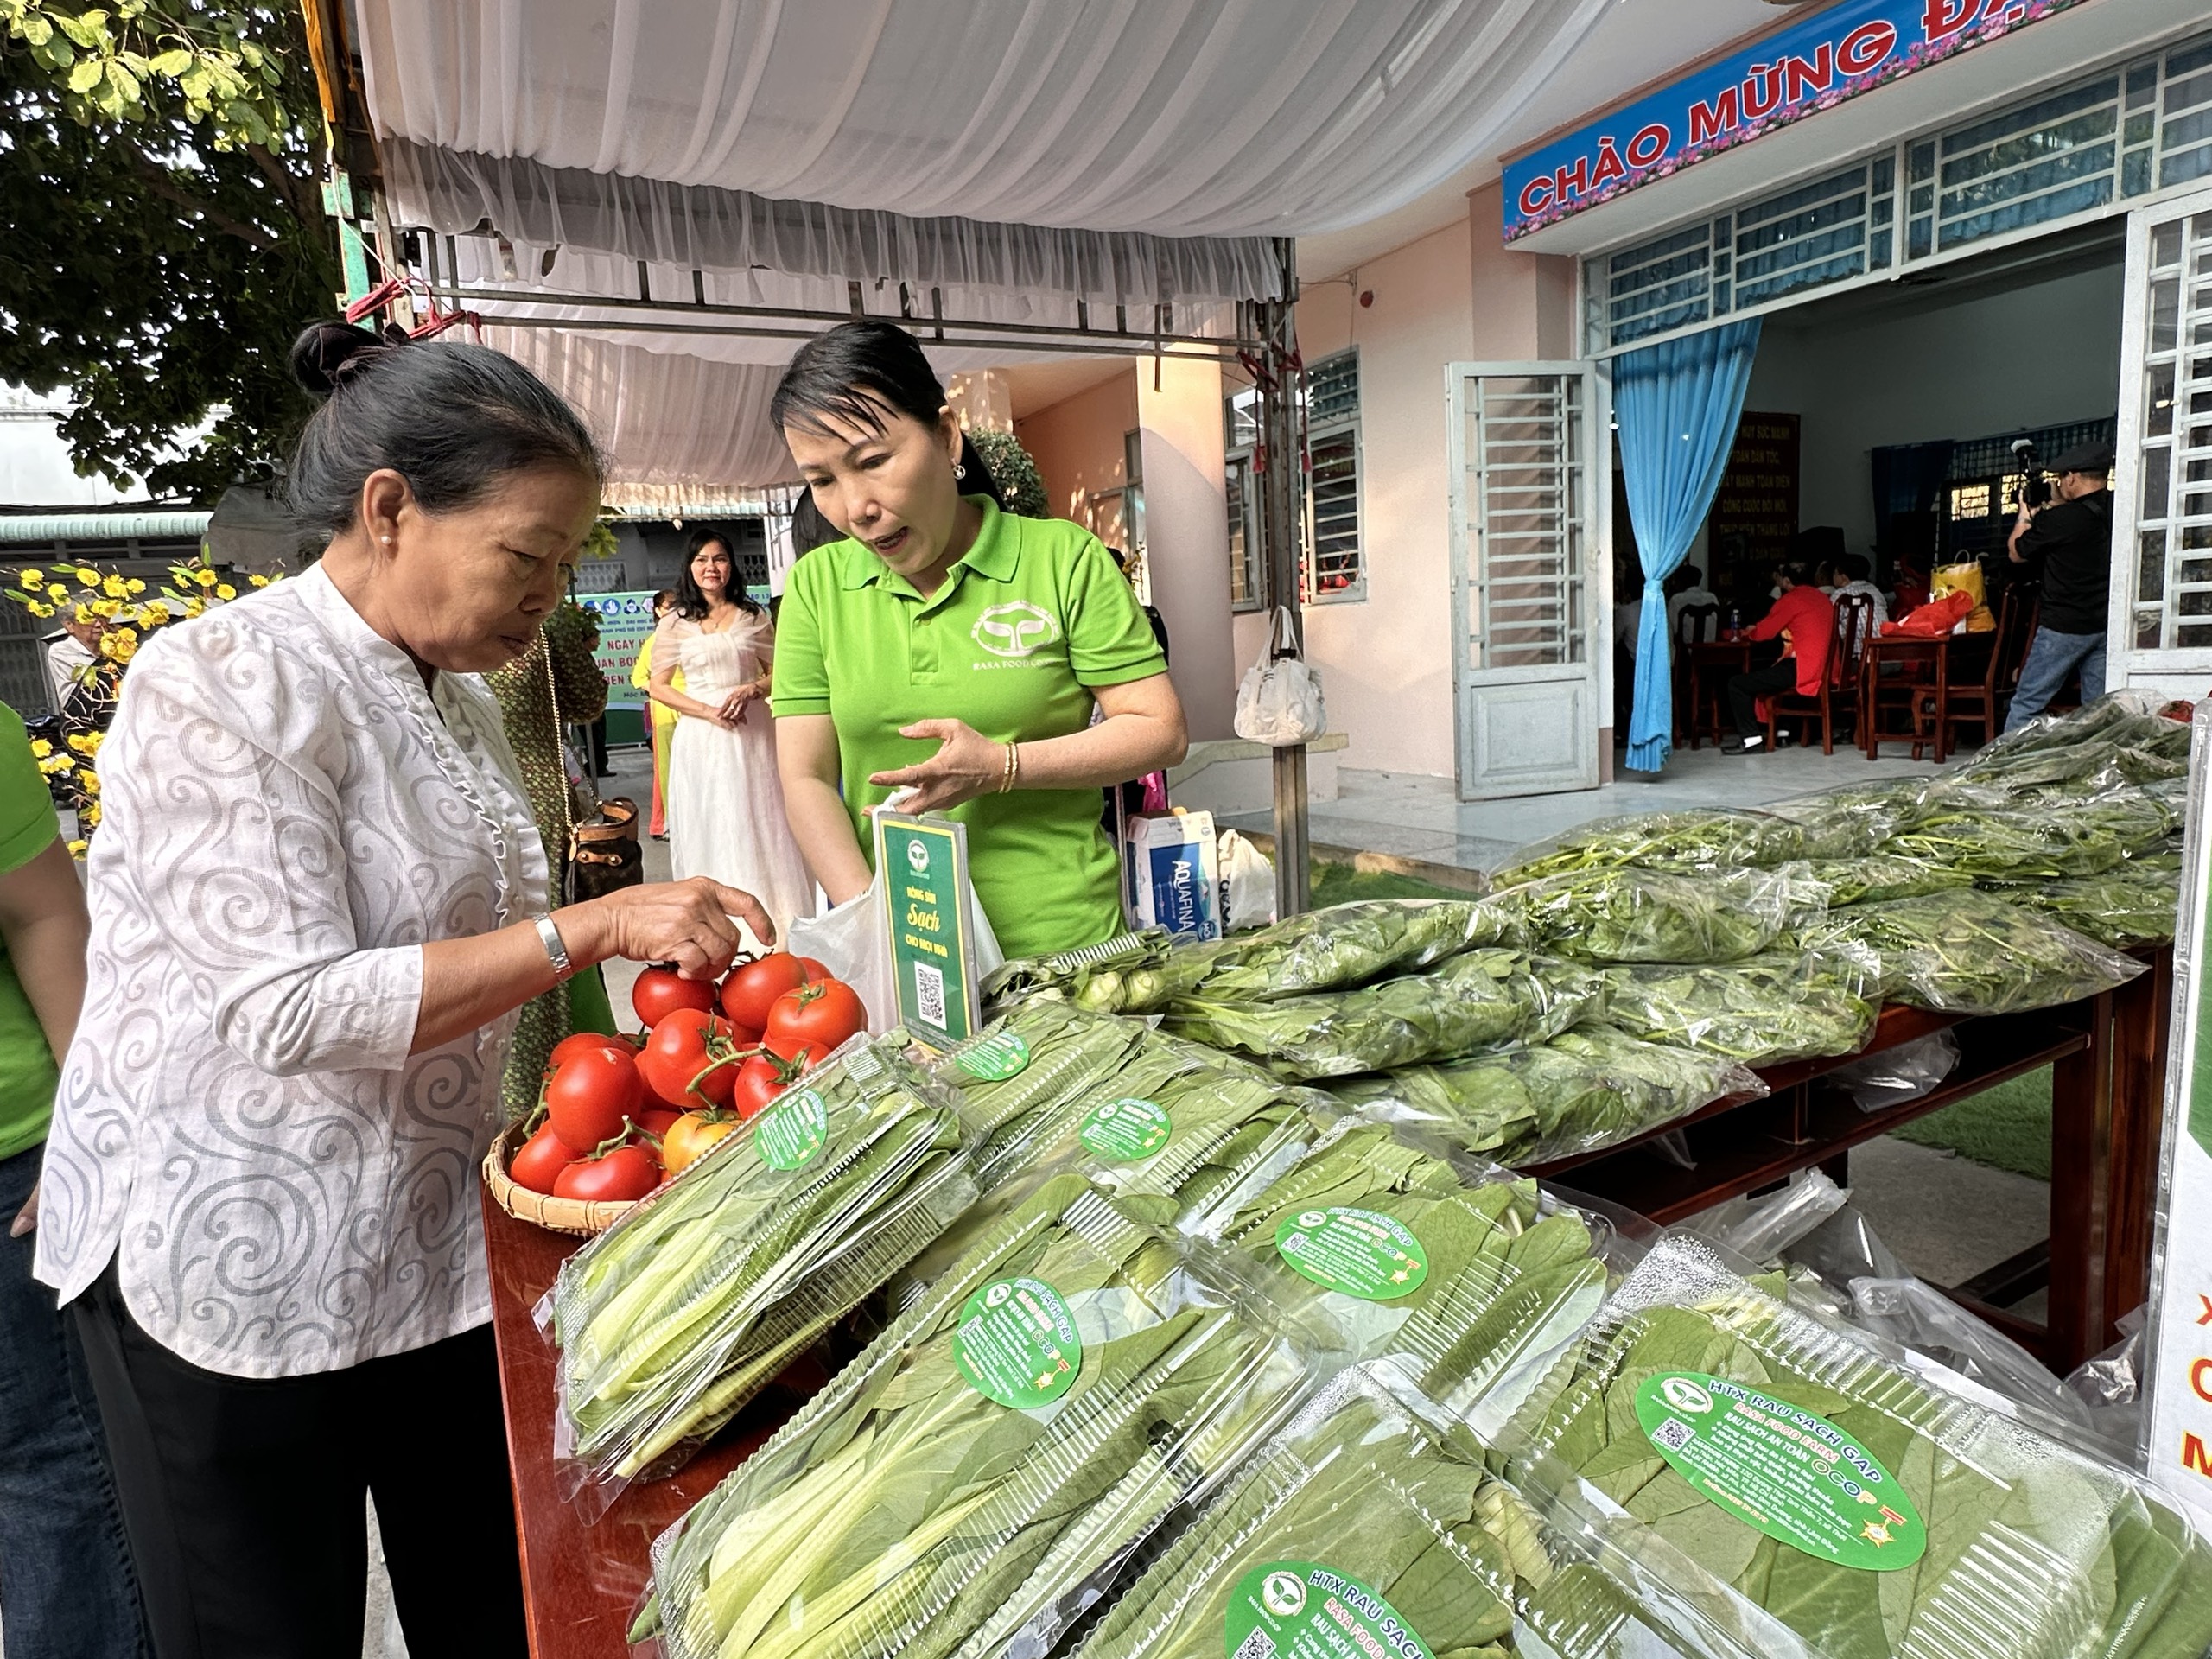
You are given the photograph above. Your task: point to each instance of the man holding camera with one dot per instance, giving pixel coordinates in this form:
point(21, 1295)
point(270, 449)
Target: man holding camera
point(2067, 541)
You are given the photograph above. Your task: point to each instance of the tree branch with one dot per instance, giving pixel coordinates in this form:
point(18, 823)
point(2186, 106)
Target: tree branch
point(299, 194)
point(159, 181)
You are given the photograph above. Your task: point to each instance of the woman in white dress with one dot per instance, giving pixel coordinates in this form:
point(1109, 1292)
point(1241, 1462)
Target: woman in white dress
point(725, 804)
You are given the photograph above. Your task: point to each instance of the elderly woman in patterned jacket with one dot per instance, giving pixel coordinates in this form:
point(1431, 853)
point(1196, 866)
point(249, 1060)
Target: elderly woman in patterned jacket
point(318, 897)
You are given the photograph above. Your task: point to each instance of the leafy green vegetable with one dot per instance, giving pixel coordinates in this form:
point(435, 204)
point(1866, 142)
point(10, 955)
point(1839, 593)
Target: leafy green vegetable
point(1473, 1001)
point(669, 1321)
point(1772, 1007)
point(1701, 839)
point(1853, 822)
point(1364, 1486)
point(1062, 1052)
point(904, 1512)
point(1877, 876)
point(1588, 1087)
point(1970, 952)
point(2032, 1550)
point(2018, 843)
point(1508, 1274)
point(1639, 915)
point(2125, 719)
point(2134, 905)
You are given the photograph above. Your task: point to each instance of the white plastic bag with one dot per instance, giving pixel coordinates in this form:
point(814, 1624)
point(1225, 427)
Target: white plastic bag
point(1280, 702)
point(854, 942)
point(1248, 884)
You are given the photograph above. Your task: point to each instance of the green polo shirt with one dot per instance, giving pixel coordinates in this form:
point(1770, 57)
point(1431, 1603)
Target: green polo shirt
point(1012, 642)
point(28, 1075)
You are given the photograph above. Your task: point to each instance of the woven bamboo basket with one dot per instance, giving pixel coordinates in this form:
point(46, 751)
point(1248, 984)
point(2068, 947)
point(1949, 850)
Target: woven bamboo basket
point(557, 1215)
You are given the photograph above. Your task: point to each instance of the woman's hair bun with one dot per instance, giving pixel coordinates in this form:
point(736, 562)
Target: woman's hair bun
point(327, 352)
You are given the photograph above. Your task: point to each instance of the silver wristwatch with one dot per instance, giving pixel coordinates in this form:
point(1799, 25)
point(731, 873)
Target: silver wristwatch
point(551, 937)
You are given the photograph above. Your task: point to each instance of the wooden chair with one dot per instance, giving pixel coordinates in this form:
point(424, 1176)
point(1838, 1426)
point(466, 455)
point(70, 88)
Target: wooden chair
point(1981, 700)
point(1689, 629)
point(1916, 690)
point(1854, 623)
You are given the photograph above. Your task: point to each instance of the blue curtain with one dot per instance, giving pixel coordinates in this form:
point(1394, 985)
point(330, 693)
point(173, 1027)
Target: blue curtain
point(1677, 404)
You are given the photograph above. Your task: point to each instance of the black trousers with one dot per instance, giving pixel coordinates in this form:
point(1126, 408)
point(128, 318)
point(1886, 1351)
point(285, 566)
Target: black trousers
point(245, 1499)
point(1744, 691)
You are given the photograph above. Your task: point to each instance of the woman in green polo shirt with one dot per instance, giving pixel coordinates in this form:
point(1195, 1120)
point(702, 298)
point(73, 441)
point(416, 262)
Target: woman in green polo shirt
point(952, 649)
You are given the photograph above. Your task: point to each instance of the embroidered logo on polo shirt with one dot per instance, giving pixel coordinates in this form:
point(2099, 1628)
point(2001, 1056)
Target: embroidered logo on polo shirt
point(1017, 629)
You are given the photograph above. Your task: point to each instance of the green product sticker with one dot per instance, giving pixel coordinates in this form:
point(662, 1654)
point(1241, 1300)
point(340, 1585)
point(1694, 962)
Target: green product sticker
point(1017, 1343)
point(1796, 1476)
point(792, 1130)
point(995, 1059)
point(1360, 1252)
point(1294, 1609)
point(1123, 1131)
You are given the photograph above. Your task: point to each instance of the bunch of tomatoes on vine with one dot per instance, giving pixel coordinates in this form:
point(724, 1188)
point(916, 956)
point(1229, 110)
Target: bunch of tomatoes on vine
point(619, 1116)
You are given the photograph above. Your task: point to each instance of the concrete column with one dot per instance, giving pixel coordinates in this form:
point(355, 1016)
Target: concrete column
point(1187, 533)
point(1524, 302)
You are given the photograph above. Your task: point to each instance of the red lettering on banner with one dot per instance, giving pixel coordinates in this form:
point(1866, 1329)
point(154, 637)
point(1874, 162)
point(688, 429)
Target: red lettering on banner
point(2197, 1384)
point(1761, 89)
point(1609, 166)
point(1865, 47)
point(1568, 182)
point(1802, 78)
point(1535, 196)
point(2205, 1317)
point(1944, 18)
point(1709, 121)
point(2193, 1455)
point(1649, 144)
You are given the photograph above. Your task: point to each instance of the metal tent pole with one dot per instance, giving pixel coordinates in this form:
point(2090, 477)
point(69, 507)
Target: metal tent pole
point(1282, 503)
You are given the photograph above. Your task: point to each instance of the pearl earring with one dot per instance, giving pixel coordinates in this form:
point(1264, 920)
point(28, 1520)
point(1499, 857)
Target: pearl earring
point(958, 471)
point(387, 541)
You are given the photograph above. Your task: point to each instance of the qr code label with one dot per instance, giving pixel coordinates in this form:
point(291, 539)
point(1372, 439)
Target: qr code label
point(1258, 1645)
point(1673, 1434)
point(929, 994)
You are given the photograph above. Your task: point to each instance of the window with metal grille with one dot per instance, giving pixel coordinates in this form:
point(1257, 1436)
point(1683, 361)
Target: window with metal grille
point(2063, 155)
point(1331, 557)
point(1244, 580)
point(2171, 601)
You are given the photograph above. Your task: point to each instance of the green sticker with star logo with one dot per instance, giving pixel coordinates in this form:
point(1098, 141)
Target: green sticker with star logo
point(1362, 1253)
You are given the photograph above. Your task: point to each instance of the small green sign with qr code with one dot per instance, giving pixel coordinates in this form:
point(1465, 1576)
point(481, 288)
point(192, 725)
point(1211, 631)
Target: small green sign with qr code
point(929, 909)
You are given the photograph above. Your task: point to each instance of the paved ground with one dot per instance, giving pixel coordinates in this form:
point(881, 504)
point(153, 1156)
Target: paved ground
point(1418, 817)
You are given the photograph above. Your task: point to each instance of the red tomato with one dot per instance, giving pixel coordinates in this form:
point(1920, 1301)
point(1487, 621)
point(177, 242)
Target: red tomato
point(753, 987)
point(539, 1161)
point(656, 1119)
point(815, 970)
point(590, 1094)
point(628, 1171)
point(584, 1041)
point(660, 991)
point(762, 1078)
point(690, 1047)
point(814, 1019)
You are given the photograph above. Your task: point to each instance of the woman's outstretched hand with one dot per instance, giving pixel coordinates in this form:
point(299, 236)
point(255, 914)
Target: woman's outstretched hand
point(687, 923)
point(967, 765)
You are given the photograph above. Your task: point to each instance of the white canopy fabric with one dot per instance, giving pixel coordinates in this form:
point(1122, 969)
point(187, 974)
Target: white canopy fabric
point(1176, 117)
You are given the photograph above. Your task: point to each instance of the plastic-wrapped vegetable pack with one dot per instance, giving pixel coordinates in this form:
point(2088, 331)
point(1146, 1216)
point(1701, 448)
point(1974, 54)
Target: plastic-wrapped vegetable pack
point(1974, 953)
point(1876, 876)
point(1588, 1087)
point(2023, 842)
point(672, 1319)
point(1473, 1001)
point(2129, 720)
point(1030, 1063)
point(1369, 1514)
point(1463, 1274)
point(1853, 822)
point(1332, 949)
point(1703, 838)
point(1630, 915)
point(1785, 1489)
point(1781, 1006)
point(1073, 1380)
point(2136, 904)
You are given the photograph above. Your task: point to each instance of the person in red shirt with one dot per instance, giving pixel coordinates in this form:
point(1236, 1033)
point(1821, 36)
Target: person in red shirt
point(1805, 617)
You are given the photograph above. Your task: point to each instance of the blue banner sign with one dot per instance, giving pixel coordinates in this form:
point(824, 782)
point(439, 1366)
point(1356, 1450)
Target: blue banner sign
point(1836, 53)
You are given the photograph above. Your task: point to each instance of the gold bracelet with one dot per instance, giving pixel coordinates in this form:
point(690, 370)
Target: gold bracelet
point(1012, 769)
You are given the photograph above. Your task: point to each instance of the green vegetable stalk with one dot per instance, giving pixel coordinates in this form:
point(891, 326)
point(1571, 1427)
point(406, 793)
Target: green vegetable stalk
point(1483, 997)
point(1639, 915)
point(1970, 952)
point(1853, 822)
point(2026, 841)
point(1031, 1062)
point(905, 1512)
point(1760, 1011)
point(1364, 1486)
point(1589, 1088)
point(1873, 877)
point(1495, 1274)
point(672, 1319)
point(2008, 1544)
point(1702, 839)
point(2134, 905)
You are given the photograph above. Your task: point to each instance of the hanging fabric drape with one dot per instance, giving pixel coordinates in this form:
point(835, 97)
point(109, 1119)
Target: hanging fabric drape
point(1677, 404)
